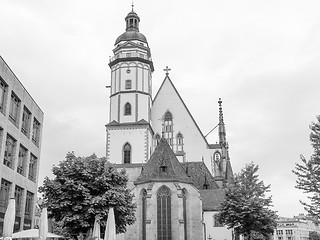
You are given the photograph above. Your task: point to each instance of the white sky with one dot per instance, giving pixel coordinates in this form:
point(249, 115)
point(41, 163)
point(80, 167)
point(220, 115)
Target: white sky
point(261, 57)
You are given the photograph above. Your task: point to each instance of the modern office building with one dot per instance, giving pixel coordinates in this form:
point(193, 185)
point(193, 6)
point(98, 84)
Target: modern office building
point(21, 121)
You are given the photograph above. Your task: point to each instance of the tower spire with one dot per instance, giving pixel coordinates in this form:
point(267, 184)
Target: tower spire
point(222, 129)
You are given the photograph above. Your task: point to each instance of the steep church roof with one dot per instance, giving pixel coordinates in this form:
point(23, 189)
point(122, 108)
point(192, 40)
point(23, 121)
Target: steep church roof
point(200, 175)
point(212, 198)
point(163, 166)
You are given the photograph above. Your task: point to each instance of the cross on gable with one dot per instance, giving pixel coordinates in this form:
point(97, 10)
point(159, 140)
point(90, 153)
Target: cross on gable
point(167, 70)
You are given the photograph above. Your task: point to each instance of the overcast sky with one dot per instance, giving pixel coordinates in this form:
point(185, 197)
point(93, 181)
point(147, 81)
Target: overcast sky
point(261, 57)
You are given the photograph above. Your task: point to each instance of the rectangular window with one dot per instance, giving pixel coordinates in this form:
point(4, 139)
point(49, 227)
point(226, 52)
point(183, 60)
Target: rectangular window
point(128, 84)
point(4, 195)
point(32, 168)
point(26, 121)
point(18, 196)
point(29, 205)
point(36, 132)
point(22, 160)
point(14, 109)
point(3, 95)
point(9, 151)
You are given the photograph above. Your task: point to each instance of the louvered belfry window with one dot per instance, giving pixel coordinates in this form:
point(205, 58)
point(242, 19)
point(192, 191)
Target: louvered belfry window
point(164, 214)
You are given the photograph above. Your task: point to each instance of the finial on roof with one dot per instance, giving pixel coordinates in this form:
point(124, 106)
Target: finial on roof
point(132, 5)
point(162, 131)
point(220, 110)
point(222, 129)
point(167, 70)
point(205, 185)
point(163, 166)
point(202, 159)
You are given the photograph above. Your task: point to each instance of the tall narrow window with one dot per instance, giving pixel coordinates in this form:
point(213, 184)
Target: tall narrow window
point(164, 214)
point(128, 84)
point(168, 128)
point(127, 153)
point(144, 214)
point(9, 151)
point(36, 132)
point(184, 205)
point(18, 196)
point(14, 109)
point(179, 142)
point(4, 195)
point(127, 109)
point(32, 168)
point(26, 120)
point(22, 160)
point(29, 202)
point(3, 94)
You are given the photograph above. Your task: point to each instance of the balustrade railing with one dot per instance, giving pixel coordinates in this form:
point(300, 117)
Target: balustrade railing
point(130, 55)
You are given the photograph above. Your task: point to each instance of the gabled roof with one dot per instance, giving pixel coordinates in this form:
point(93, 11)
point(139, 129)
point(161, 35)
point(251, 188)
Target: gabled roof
point(212, 198)
point(200, 175)
point(185, 106)
point(163, 166)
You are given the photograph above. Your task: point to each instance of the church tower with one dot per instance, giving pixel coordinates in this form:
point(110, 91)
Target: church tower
point(129, 132)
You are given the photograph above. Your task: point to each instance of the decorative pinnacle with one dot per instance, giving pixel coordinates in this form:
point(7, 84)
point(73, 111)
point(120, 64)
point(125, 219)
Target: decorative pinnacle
point(132, 5)
point(220, 111)
point(167, 70)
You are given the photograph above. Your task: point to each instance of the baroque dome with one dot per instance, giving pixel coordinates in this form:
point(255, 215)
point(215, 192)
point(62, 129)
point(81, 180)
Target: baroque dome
point(131, 35)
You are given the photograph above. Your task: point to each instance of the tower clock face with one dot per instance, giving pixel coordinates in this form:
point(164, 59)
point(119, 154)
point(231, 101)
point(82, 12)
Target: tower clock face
point(217, 156)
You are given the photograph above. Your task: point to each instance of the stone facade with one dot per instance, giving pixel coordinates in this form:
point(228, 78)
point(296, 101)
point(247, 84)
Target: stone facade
point(156, 140)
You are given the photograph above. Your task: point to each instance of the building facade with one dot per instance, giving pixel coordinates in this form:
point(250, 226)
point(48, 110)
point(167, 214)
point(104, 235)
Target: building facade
point(296, 228)
point(178, 179)
point(21, 121)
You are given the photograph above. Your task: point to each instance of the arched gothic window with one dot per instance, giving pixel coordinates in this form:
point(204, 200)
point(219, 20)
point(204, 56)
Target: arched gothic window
point(127, 109)
point(144, 214)
point(127, 153)
point(164, 214)
point(184, 204)
point(168, 128)
point(179, 142)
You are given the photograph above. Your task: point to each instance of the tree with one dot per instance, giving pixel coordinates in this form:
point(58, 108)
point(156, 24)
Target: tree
point(83, 188)
point(308, 173)
point(246, 206)
point(314, 236)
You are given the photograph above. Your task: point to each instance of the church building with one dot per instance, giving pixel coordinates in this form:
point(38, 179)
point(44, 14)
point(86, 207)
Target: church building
point(178, 179)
